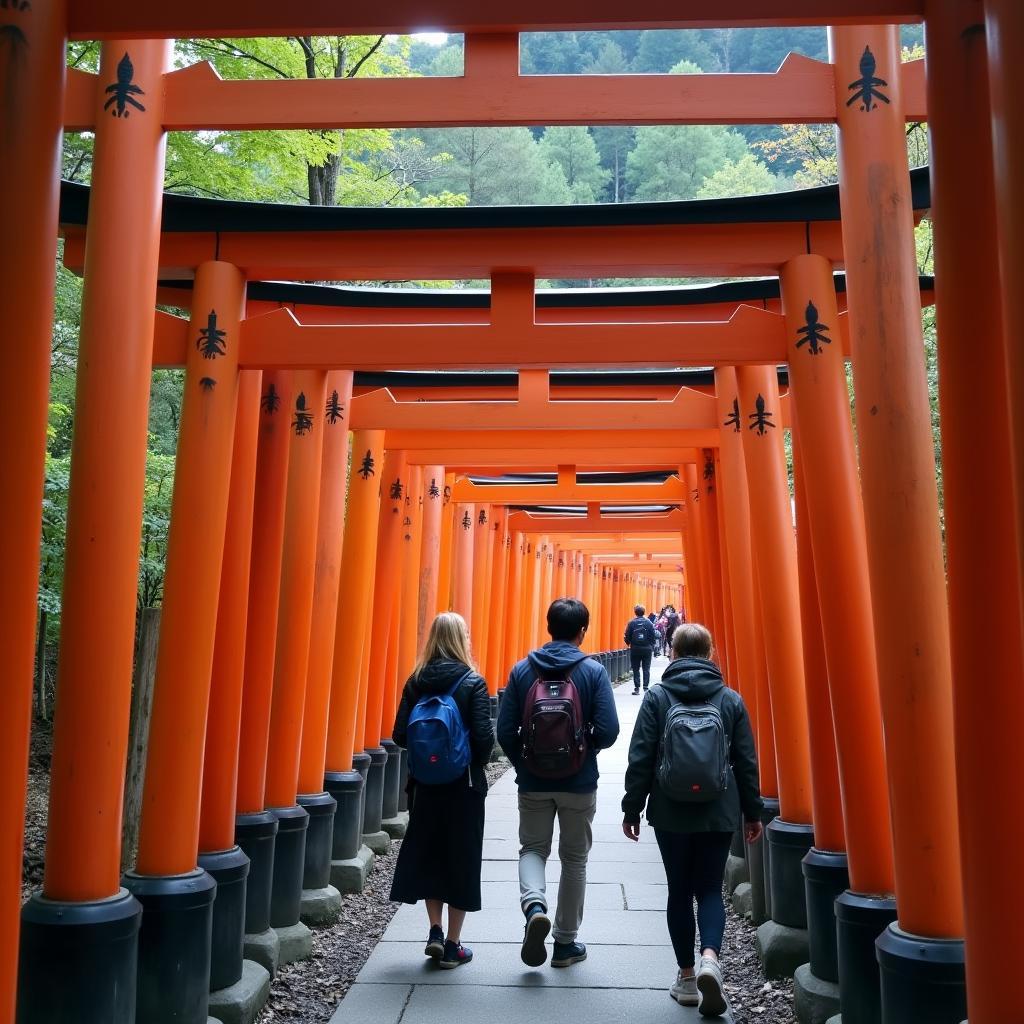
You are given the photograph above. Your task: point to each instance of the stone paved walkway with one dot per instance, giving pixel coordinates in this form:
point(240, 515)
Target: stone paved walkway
point(630, 963)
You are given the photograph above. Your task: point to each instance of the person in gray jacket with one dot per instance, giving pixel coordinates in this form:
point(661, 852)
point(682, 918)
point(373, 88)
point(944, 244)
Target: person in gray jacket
point(694, 837)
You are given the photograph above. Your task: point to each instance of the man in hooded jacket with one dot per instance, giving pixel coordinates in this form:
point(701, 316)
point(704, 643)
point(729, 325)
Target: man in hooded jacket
point(573, 799)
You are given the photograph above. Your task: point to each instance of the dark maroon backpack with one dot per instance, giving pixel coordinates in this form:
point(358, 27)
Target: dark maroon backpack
point(553, 730)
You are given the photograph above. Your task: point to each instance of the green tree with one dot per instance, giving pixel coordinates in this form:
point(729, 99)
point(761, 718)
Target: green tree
point(574, 150)
point(659, 50)
point(673, 161)
point(747, 176)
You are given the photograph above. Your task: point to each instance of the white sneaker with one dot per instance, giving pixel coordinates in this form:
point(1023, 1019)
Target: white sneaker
point(684, 990)
point(709, 984)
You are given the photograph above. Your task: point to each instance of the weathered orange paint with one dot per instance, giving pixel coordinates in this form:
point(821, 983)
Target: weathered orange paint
point(462, 560)
point(445, 573)
point(482, 608)
point(408, 608)
point(497, 591)
point(432, 488)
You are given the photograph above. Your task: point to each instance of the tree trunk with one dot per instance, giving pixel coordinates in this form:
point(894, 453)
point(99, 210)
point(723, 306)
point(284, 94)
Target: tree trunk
point(138, 740)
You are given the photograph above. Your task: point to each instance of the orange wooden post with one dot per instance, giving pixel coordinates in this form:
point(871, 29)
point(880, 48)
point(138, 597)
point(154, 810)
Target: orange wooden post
point(587, 597)
point(223, 722)
point(547, 573)
point(766, 752)
point(727, 608)
point(445, 572)
point(481, 605)
point(430, 552)
point(497, 598)
point(83, 846)
point(530, 636)
point(835, 525)
point(711, 562)
point(30, 153)
point(1004, 25)
point(329, 545)
point(511, 652)
point(169, 828)
point(978, 436)
point(897, 467)
point(409, 610)
point(462, 561)
point(694, 542)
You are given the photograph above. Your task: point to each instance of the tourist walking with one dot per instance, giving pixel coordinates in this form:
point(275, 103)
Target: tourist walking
point(693, 766)
point(444, 721)
point(557, 712)
point(641, 638)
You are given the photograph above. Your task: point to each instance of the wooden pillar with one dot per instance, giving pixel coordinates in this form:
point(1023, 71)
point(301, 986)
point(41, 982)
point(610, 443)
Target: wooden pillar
point(169, 827)
point(498, 559)
point(511, 651)
point(462, 561)
point(355, 583)
point(445, 572)
point(482, 610)
point(819, 402)
point(771, 524)
point(407, 617)
point(430, 552)
point(298, 570)
point(264, 587)
point(330, 532)
point(386, 579)
point(30, 154)
point(547, 564)
point(897, 469)
point(90, 739)
point(978, 435)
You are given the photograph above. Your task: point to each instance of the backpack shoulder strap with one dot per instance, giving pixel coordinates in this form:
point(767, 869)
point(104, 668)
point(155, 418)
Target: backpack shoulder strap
point(458, 682)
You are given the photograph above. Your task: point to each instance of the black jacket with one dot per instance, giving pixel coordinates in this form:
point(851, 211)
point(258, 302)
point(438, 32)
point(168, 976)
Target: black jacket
point(472, 700)
point(692, 680)
point(640, 634)
point(552, 661)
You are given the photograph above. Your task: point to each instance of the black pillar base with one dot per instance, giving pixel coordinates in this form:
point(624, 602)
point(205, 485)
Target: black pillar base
point(361, 763)
point(255, 834)
point(289, 865)
point(826, 876)
point(230, 870)
point(320, 807)
point(788, 841)
point(923, 979)
point(173, 985)
point(347, 831)
point(77, 961)
point(768, 815)
point(403, 781)
point(392, 779)
point(859, 922)
point(372, 811)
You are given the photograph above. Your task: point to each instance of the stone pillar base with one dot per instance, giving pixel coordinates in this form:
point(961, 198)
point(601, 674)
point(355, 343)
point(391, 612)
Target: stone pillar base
point(815, 1001)
point(396, 826)
point(782, 950)
point(296, 942)
point(351, 875)
point(241, 1002)
point(320, 906)
point(264, 948)
point(743, 900)
point(378, 842)
point(735, 872)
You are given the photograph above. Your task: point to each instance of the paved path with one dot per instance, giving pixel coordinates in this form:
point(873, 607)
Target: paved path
point(630, 962)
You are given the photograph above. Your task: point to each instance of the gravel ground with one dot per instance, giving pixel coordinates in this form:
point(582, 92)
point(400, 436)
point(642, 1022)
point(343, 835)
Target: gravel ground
point(753, 1000)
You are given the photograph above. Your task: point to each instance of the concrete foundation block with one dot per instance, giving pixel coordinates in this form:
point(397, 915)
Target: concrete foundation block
point(396, 826)
point(735, 873)
point(320, 906)
point(240, 1003)
point(378, 842)
point(351, 875)
point(815, 1000)
point(263, 948)
point(296, 942)
point(742, 900)
point(782, 950)
point(838, 1019)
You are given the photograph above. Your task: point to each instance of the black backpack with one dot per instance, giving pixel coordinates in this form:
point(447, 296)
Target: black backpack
point(641, 632)
point(693, 762)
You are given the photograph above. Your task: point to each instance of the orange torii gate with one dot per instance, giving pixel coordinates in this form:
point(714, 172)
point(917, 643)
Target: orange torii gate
point(891, 571)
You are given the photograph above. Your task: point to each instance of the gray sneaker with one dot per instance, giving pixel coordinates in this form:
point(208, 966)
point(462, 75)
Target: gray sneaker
point(684, 990)
point(709, 984)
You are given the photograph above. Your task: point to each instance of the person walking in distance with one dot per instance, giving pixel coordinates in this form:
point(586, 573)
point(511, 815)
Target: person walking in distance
point(444, 721)
point(692, 764)
point(641, 638)
point(557, 712)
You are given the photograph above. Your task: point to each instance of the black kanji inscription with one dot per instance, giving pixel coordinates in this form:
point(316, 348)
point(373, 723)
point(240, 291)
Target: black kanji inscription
point(211, 338)
point(734, 417)
point(467, 522)
point(434, 491)
point(335, 410)
point(447, 494)
point(761, 419)
point(366, 470)
point(303, 422)
point(271, 400)
point(814, 333)
point(867, 85)
point(482, 517)
point(124, 90)
point(207, 383)
point(396, 490)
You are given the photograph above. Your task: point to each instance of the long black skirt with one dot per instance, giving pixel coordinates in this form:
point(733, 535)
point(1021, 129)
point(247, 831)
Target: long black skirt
point(443, 846)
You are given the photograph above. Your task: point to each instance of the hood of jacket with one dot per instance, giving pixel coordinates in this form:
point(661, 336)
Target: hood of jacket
point(440, 676)
point(692, 679)
point(558, 656)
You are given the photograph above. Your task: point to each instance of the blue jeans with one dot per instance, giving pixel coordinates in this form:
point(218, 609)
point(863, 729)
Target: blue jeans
point(695, 868)
point(640, 657)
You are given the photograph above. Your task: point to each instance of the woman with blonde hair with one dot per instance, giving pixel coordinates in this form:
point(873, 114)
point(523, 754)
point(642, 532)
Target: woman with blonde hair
point(444, 721)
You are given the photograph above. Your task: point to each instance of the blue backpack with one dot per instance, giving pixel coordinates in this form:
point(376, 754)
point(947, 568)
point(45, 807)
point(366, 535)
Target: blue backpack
point(438, 740)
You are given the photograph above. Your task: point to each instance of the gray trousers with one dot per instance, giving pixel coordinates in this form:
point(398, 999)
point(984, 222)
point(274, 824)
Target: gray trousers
point(575, 812)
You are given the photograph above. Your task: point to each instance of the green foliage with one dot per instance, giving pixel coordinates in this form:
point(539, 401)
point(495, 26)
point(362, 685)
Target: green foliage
point(672, 161)
point(746, 176)
point(573, 149)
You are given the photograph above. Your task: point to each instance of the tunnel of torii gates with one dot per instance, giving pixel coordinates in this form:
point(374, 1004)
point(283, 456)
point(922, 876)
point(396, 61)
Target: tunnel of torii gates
point(350, 461)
